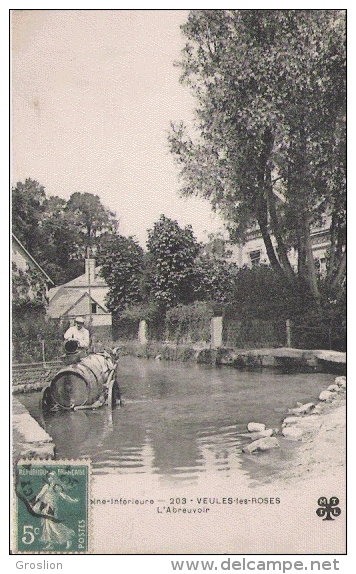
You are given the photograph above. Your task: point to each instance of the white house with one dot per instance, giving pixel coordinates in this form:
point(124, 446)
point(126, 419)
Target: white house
point(84, 296)
point(253, 251)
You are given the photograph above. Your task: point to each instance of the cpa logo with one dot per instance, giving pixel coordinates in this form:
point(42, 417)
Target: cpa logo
point(328, 509)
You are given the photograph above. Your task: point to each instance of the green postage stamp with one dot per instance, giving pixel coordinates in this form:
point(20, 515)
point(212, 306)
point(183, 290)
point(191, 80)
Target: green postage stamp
point(51, 506)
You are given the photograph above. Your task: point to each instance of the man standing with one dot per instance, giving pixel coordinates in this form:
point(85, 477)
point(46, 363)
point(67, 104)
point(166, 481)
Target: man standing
point(78, 333)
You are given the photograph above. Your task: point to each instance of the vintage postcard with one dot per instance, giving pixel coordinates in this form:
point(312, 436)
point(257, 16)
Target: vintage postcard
point(179, 290)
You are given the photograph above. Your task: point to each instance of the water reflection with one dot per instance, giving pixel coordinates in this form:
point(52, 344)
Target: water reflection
point(178, 421)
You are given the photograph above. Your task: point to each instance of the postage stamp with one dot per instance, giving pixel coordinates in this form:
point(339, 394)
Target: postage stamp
point(52, 506)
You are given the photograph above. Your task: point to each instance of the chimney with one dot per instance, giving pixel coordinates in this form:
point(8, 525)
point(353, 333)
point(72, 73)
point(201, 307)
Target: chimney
point(90, 270)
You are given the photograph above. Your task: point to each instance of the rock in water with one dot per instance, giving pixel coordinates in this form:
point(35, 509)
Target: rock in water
point(256, 427)
point(340, 382)
point(303, 409)
point(326, 396)
point(333, 388)
point(261, 445)
point(261, 434)
point(292, 433)
point(290, 421)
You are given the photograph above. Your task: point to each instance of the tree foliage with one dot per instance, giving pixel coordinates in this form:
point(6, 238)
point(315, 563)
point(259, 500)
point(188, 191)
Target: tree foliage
point(269, 147)
point(90, 217)
point(28, 289)
point(121, 261)
point(27, 211)
point(255, 286)
point(214, 279)
point(189, 323)
point(173, 250)
point(57, 232)
point(175, 270)
point(61, 249)
point(30, 326)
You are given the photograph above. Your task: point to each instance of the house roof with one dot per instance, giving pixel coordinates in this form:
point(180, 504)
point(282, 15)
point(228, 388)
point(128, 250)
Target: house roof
point(85, 295)
point(82, 280)
point(66, 299)
point(98, 295)
point(52, 292)
point(32, 259)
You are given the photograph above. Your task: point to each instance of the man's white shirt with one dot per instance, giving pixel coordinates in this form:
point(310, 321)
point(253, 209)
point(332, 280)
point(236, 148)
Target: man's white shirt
point(80, 335)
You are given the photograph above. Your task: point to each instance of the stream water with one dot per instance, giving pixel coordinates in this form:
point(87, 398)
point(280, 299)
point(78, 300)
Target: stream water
point(181, 420)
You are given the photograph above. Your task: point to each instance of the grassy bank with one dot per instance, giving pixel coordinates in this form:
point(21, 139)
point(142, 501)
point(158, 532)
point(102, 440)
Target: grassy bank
point(160, 351)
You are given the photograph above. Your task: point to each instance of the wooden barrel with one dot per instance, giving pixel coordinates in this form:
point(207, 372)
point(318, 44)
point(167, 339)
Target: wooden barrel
point(82, 383)
point(71, 346)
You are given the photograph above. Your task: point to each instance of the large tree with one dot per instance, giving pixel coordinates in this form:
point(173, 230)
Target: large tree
point(91, 217)
point(173, 250)
point(121, 260)
point(268, 148)
point(28, 200)
point(215, 278)
point(58, 232)
point(62, 249)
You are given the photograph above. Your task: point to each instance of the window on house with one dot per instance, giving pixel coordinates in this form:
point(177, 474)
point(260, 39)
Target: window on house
point(255, 257)
point(94, 308)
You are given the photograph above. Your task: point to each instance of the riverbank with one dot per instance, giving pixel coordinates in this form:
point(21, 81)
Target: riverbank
point(301, 360)
point(316, 447)
point(322, 453)
point(30, 378)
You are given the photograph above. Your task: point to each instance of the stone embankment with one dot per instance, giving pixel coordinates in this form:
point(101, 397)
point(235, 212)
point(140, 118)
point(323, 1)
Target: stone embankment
point(304, 423)
point(301, 360)
point(29, 438)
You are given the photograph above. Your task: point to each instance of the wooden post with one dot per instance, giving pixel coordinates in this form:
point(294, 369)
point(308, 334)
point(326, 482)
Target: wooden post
point(289, 333)
point(90, 309)
point(216, 327)
point(142, 332)
point(43, 354)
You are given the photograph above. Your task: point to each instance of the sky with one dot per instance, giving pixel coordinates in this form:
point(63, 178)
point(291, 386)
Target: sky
point(93, 95)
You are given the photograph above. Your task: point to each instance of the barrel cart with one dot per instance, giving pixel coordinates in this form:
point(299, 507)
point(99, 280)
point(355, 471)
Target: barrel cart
point(89, 382)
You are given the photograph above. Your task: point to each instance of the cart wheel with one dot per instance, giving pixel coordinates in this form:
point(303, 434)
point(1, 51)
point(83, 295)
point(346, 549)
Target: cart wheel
point(46, 401)
point(116, 395)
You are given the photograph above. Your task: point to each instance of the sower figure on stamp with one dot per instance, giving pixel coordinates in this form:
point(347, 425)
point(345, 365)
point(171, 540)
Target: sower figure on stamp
point(53, 532)
point(77, 341)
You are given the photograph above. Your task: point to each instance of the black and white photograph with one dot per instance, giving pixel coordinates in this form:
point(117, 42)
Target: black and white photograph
point(178, 308)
